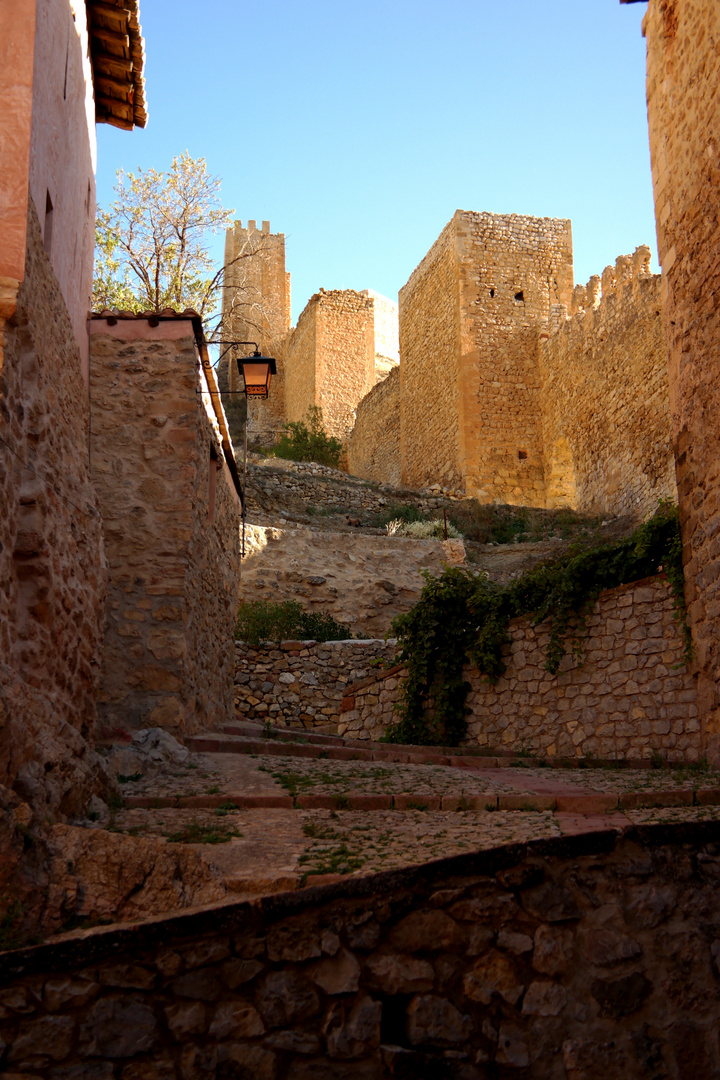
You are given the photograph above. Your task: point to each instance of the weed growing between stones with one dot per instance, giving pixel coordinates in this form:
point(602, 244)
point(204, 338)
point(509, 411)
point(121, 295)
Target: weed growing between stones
point(464, 617)
point(196, 833)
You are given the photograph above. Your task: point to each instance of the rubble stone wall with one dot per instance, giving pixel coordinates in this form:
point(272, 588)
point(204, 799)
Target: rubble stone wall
point(374, 444)
point(585, 956)
point(174, 562)
point(53, 574)
point(683, 71)
point(631, 697)
point(605, 400)
point(302, 683)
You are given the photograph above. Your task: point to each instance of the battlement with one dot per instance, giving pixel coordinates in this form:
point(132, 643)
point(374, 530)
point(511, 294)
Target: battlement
point(628, 270)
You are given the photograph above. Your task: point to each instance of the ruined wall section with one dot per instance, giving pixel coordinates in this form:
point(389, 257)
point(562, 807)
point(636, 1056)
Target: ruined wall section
point(684, 116)
point(512, 271)
point(52, 563)
point(374, 444)
point(173, 563)
point(429, 371)
point(387, 344)
point(606, 412)
point(256, 307)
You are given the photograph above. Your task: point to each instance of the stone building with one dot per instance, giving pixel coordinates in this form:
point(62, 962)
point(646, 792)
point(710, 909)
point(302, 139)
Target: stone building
point(683, 74)
point(514, 388)
point(169, 494)
point(344, 342)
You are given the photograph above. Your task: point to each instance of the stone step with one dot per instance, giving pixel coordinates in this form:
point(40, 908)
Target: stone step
point(562, 801)
point(241, 738)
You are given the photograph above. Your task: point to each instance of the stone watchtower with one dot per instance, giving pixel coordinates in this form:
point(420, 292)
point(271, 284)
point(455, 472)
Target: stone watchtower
point(256, 307)
point(471, 316)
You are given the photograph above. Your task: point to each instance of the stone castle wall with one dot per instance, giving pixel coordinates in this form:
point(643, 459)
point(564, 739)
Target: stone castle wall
point(516, 389)
point(605, 402)
point(584, 956)
point(374, 443)
point(53, 574)
point(683, 71)
point(429, 375)
point(174, 558)
point(631, 697)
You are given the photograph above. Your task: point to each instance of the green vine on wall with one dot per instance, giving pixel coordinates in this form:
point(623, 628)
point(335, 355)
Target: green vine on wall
point(464, 617)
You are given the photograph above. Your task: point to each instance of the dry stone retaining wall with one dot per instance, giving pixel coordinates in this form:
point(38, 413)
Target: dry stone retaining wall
point(586, 957)
point(302, 683)
point(362, 581)
point(632, 696)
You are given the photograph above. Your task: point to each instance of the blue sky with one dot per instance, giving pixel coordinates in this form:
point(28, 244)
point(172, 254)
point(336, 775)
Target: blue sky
point(359, 129)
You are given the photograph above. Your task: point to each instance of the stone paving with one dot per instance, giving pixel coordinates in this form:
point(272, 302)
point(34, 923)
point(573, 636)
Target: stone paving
point(268, 822)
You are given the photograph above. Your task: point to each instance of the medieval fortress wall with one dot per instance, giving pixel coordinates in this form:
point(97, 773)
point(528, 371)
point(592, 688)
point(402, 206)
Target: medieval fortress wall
point(515, 388)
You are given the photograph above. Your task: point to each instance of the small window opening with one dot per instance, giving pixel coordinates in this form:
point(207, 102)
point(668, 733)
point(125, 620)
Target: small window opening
point(519, 295)
point(492, 293)
point(48, 226)
point(522, 454)
point(214, 465)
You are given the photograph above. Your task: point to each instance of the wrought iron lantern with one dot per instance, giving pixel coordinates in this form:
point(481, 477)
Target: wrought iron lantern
point(257, 371)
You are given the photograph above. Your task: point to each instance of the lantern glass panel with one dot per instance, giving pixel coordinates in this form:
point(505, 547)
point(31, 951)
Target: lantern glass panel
point(256, 374)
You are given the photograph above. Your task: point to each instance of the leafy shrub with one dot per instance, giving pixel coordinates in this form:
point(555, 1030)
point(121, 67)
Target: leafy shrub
point(423, 530)
point(307, 440)
point(264, 620)
point(463, 616)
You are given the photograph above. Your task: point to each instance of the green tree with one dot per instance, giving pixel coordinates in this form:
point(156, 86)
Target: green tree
point(152, 242)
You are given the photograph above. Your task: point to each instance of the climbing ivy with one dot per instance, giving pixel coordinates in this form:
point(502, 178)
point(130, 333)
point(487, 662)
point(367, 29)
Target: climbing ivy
point(463, 616)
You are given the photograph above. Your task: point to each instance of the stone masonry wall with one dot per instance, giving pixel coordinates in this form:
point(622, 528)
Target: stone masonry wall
point(683, 73)
point(302, 683)
point(631, 696)
point(174, 564)
point(53, 574)
point(513, 270)
point(605, 402)
point(584, 957)
point(374, 444)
